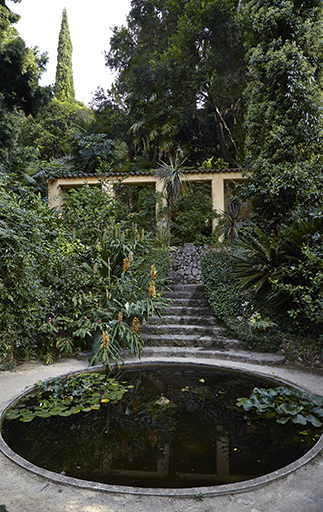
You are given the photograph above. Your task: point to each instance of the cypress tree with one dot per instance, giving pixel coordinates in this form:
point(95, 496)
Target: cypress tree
point(64, 84)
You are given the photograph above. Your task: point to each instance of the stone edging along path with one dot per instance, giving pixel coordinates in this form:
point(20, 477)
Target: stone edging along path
point(257, 488)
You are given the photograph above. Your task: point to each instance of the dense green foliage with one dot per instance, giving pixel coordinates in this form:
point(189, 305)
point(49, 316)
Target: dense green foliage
point(283, 97)
point(20, 95)
point(63, 282)
point(221, 285)
point(87, 212)
point(20, 67)
point(103, 288)
point(52, 128)
point(64, 82)
point(192, 216)
point(161, 259)
point(286, 270)
point(25, 226)
point(139, 205)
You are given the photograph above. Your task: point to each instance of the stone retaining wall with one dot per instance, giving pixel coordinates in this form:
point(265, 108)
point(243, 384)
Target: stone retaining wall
point(186, 264)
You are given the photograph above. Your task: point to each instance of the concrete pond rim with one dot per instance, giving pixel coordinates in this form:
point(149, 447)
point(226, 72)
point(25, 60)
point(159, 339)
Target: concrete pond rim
point(216, 490)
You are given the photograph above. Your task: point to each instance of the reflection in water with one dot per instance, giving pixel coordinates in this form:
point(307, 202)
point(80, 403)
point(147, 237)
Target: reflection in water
point(177, 427)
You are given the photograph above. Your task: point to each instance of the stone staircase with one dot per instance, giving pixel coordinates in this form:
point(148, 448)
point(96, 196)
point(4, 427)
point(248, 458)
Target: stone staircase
point(188, 323)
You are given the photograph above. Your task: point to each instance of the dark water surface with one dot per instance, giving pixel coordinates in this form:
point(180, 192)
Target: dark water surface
point(196, 436)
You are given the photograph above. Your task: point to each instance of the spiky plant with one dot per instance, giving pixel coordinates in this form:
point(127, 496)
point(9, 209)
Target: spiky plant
point(173, 177)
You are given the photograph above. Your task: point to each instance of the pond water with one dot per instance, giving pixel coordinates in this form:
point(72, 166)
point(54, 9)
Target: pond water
point(178, 426)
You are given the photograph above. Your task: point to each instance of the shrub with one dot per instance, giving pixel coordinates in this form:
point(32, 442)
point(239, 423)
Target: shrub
point(24, 226)
point(239, 313)
point(221, 285)
point(128, 302)
point(87, 212)
point(65, 281)
point(139, 206)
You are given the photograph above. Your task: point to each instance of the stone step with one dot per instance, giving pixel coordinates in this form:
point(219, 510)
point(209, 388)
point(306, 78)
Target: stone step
point(232, 354)
point(179, 310)
point(189, 288)
point(187, 340)
point(183, 319)
point(181, 301)
point(201, 330)
point(185, 294)
point(189, 322)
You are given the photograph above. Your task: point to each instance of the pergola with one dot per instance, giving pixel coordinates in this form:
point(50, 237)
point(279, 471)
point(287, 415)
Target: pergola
point(217, 177)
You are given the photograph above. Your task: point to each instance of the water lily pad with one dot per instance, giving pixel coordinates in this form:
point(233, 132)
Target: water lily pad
point(315, 422)
point(292, 409)
point(65, 414)
point(26, 419)
point(283, 420)
point(12, 415)
point(42, 414)
point(299, 419)
point(317, 399)
point(82, 392)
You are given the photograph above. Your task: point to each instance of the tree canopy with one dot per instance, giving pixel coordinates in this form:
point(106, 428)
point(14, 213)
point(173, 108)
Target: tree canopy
point(20, 67)
point(180, 76)
point(20, 94)
point(283, 100)
point(52, 128)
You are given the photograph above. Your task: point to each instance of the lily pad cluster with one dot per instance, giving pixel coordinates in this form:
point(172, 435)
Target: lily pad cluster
point(64, 396)
point(285, 405)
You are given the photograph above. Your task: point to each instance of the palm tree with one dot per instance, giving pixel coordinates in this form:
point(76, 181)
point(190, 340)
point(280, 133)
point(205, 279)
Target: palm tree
point(173, 178)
